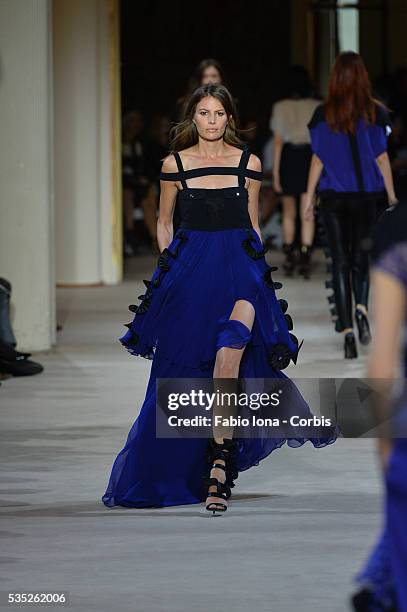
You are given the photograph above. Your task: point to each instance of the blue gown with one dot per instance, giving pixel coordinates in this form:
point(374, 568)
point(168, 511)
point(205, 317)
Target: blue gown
point(214, 259)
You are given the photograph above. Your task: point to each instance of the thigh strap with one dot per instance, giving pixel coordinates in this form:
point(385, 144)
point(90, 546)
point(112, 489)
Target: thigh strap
point(232, 333)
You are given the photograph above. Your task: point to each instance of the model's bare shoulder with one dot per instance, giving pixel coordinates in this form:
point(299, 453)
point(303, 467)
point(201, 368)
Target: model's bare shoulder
point(169, 164)
point(254, 163)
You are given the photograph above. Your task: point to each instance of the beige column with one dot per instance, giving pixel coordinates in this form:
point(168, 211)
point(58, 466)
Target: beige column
point(26, 186)
point(87, 142)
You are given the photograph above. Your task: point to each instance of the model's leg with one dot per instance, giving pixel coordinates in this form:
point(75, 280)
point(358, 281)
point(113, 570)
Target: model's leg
point(289, 216)
point(288, 226)
point(227, 366)
point(336, 223)
point(363, 218)
point(307, 225)
point(228, 359)
point(307, 238)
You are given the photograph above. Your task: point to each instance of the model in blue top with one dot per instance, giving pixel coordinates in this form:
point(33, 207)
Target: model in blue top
point(351, 160)
point(210, 311)
point(351, 169)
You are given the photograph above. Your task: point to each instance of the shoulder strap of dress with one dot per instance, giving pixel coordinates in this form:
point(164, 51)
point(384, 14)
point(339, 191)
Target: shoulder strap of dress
point(244, 158)
point(244, 171)
point(178, 160)
point(175, 176)
point(180, 169)
point(241, 170)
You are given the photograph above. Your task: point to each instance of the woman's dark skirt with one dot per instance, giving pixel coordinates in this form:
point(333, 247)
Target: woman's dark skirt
point(294, 168)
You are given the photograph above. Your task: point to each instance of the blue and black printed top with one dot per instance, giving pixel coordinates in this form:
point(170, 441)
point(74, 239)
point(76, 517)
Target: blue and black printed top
point(350, 166)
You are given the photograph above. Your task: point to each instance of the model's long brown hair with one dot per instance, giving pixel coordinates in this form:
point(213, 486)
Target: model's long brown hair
point(349, 94)
point(184, 134)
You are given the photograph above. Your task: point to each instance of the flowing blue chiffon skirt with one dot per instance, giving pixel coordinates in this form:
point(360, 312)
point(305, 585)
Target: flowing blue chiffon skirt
point(180, 323)
point(396, 512)
point(384, 574)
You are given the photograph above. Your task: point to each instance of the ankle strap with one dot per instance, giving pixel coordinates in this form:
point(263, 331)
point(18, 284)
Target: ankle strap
point(220, 466)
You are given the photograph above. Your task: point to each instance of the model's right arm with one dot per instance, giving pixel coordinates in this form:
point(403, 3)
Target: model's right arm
point(168, 194)
point(314, 175)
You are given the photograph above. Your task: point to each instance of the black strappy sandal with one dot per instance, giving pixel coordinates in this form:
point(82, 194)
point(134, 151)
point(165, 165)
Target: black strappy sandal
point(221, 492)
point(223, 452)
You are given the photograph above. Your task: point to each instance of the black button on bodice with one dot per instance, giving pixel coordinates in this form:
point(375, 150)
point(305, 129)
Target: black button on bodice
point(214, 209)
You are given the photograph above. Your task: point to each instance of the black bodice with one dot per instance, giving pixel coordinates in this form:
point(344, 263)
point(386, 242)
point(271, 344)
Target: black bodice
point(213, 209)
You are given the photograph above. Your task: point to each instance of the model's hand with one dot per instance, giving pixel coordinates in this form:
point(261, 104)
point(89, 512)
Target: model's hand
point(309, 207)
point(258, 232)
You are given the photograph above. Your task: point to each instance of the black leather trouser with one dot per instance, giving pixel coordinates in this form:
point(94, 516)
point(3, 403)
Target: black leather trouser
point(348, 223)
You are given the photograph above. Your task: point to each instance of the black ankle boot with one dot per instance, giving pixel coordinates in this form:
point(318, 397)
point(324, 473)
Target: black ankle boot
point(290, 259)
point(305, 261)
point(350, 346)
point(363, 327)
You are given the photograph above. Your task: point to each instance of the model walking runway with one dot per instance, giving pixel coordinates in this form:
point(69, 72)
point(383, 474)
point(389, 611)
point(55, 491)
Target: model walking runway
point(210, 309)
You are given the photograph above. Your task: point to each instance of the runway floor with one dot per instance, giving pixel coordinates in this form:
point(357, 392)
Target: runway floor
point(298, 527)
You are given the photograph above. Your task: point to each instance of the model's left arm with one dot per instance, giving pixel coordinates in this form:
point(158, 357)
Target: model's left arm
point(253, 188)
point(390, 306)
point(385, 168)
point(316, 132)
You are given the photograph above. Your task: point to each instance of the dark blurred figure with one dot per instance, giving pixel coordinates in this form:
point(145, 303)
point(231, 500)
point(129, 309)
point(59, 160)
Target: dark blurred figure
point(138, 189)
point(383, 579)
point(391, 89)
point(209, 70)
point(257, 141)
point(291, 163)
point(398, 154)
point(383, 89)
point(157, 148)
point(253, 136)
point(398, 102)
